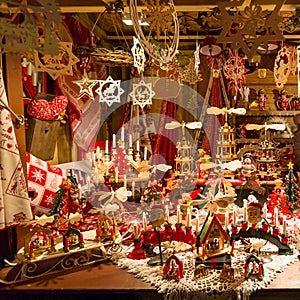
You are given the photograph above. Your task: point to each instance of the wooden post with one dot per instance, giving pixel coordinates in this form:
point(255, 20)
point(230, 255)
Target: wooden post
point(14, 88)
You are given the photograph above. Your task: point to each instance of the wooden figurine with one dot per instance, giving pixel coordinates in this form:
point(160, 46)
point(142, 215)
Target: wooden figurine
point(173, 268)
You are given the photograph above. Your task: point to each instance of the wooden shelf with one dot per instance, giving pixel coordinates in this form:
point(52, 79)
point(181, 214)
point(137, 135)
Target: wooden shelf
point(280, 113)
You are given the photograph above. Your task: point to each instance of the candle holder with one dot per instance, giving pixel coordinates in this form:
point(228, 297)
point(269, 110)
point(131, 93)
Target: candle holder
point(138, 251)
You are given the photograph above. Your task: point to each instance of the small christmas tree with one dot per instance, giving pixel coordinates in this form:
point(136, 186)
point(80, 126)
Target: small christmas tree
point(67, 199)
point(153, 195)
point(292, 188)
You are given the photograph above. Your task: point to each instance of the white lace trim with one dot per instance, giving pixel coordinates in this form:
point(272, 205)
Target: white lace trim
point(211, 287)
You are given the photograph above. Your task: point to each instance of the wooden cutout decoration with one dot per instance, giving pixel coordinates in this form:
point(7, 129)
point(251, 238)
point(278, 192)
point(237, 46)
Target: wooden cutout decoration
point(142, 93)
point(250, 24)
point(110, 91)
point(189, 74)
point(57, 65)
point(138, 55)
point(36, 31)
point(86, 86)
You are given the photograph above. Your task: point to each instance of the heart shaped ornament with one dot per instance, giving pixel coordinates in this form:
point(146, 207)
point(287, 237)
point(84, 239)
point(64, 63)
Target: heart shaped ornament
point(47, 110)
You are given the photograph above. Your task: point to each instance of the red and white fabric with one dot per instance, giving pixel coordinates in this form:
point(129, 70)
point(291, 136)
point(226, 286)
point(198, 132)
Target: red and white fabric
point(44, 181)
point(14, 200)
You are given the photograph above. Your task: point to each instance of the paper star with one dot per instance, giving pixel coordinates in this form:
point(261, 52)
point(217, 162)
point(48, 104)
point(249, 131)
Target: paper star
point(248, 23)
point(86, 86)
point(142, 93)
point(109, 91)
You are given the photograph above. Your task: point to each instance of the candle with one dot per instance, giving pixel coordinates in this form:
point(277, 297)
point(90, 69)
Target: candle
point(137, 146)
point(122, 134)
point(284, 226)
point(117, 174)
point(197, 222)
point(167, 213)
point(79, 191)
point(144, 222)
point(234, 216)
point(226, 220)
point(125, 181)
point(145, 153)
point(34, 78)
point(188, 218)
point(106, 146)
point(245, 209)
point(136, 232)
point(275, 216)
point(97, 152)
point(265, 211)
point(130, 140)
point(133, 188)
point(178, 214)
point(114, 141)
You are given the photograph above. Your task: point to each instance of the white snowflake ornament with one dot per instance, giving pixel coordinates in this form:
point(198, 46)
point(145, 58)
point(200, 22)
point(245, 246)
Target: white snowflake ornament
point(139, 57)
point(142, 94)
point(109, 91)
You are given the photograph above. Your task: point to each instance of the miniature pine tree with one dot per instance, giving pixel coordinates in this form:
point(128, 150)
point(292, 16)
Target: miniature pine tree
point(292, 188)
point(66, 200)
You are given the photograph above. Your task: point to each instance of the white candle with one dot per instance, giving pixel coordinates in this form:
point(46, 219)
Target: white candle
point(144, 222)
point(106, 146)
point(98, 152)
point(226, 220)
point(145, 153)
point(234, 216)
point(106, 168)
point(178, 214)
point(197, 222)
point(79, 191)
point(130, 140)
point(138, 146)
point(188, 218)
point(122, 134)
point(284, 225)
point(265, 211)
point(34, 78)
point(167, 213)
point(114, 141)
point(133, 188)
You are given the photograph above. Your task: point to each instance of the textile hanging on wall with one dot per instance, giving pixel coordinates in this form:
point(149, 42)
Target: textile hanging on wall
point(79, 110)
point(165, 140)
point(14, 200)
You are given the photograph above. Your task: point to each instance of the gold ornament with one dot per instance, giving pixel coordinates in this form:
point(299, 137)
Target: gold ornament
point(86, 86)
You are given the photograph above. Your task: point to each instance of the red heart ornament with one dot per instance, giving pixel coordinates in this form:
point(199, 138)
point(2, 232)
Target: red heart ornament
point(47, 110)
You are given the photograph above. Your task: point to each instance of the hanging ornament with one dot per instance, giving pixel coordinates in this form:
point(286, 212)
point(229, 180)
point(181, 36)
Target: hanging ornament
point(250, 26)
point(197, 58)
point(235, 71)
point(86, 86)
point(110, 91)
point(162, 19)
point(142, 94)
point(57, 65)
point(138, 55)
point(189, 74)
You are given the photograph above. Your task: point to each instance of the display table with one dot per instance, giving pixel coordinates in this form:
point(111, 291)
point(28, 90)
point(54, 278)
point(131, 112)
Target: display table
point(107, 281)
